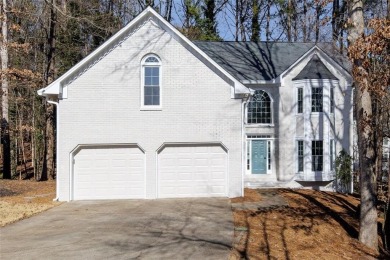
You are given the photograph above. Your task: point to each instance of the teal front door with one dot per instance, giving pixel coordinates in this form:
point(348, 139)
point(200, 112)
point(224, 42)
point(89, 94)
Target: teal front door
point(259, 157)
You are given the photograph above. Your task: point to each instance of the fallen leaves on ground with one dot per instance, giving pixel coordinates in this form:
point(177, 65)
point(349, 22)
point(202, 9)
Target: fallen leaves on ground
point(314, 225)
point(21, 199)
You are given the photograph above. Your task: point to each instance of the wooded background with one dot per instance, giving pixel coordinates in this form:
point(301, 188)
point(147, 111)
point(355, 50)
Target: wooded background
point(42, 39)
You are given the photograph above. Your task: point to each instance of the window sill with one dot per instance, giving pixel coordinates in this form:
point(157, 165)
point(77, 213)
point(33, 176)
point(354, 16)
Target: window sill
point(151, 108)
point(259, 125)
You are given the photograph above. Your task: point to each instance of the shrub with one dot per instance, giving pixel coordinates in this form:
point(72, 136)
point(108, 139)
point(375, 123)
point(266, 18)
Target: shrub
point(344, 170)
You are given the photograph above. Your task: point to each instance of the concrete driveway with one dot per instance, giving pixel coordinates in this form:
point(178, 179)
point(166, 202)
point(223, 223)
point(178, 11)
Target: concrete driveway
point(126, 229)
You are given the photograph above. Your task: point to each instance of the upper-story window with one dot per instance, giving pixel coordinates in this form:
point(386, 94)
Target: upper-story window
point(259, 108)
point(316, 99)
point(300, 100)
point(151, 81)
point(331, 100)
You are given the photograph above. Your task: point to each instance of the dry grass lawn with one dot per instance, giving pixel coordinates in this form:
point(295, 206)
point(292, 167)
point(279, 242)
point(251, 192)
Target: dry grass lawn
point(22, 199)
point(314, 225)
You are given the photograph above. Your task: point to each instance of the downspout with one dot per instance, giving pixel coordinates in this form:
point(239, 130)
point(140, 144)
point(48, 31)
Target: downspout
point(56, 104)
point(243, 106)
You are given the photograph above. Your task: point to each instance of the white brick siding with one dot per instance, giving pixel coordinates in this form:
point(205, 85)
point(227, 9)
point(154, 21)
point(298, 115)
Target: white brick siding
point(103, 107)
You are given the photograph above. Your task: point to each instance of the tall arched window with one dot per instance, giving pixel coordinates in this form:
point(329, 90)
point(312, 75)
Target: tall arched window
point(151, 81)
point(259, 108)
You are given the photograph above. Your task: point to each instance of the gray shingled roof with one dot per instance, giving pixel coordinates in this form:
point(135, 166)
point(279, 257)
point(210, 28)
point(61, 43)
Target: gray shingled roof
point(315, 69)
point(264, 60)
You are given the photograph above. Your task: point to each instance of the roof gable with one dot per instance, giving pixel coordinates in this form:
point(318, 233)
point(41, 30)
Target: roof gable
point(315, 69)
point(55, 89)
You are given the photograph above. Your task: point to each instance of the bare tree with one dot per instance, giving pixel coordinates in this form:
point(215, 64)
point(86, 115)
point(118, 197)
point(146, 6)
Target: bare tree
point(5, 137)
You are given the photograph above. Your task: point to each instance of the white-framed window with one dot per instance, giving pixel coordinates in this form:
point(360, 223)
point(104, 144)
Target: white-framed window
point(332, 154)
point(331, 98)
point(259, 109)
point(151, 82)
point(301, 155)
point(300, 100)
point(317, 156)
point(316, 99)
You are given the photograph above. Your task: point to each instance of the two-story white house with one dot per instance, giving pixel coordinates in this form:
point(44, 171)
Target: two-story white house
point(150, 114)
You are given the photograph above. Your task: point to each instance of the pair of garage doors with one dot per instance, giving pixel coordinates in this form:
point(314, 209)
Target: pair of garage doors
point(120, 172)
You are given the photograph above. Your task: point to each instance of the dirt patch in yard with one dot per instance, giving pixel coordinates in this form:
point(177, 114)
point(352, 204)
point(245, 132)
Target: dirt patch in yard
point(312, 225)
point(22, 199)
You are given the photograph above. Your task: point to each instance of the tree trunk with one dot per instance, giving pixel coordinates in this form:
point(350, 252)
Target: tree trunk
point(335, 20)
point(318, 13)
point(255, 21)
point(267, 29)
point(304, 30)
point(48, 162)
point(289, 12)
point(368, 214)
point(5, 136)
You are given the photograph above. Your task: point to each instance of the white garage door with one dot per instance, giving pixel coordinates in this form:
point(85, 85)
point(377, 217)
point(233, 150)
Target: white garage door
point(109, 173)
point(192, 171)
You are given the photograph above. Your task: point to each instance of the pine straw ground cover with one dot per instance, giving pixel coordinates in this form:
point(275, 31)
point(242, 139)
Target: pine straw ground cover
point(314, 225)
point(22, 199)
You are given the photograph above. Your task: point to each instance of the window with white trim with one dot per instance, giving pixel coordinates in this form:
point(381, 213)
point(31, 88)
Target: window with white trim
point(316, 99)
point(151, 81)
point(300, 100)
point(332, 154)
point(317, 156)
point(259, 108)
point(300, 148)
point(331, 100)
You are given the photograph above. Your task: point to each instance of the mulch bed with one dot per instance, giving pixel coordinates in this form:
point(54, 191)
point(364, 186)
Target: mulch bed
point(310, 225)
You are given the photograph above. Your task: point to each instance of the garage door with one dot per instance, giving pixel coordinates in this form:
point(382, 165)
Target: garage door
point(192, 171)
point(109, 173)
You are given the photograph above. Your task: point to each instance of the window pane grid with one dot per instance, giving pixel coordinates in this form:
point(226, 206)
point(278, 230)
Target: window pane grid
point(331, 153)
point(316, 99)
point(151, 85)
point(259, 109)
point(300, 156)
point(317, 155)
point(300, 100)
point(331, 100)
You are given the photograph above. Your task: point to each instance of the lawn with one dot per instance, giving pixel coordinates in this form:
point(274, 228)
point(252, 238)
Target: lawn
point(22, 199)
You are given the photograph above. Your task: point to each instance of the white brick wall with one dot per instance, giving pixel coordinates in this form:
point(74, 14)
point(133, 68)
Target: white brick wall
point(103, 106)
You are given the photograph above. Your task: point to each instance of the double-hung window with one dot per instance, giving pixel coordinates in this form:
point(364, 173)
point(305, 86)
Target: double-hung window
point(151, 82)
point(300, 100)
point(316, 99)
point(331, 100)
point(317, 156)
point(332, 155)
point(300, 155)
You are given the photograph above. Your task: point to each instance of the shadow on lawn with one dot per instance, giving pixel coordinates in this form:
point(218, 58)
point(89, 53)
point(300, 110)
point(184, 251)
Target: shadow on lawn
point(274, 226)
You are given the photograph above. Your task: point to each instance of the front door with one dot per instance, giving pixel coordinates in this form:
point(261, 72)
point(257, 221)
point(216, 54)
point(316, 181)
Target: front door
point(259, 157)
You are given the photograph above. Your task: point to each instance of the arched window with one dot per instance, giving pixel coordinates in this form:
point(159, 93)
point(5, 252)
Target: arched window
point(151, 81)
point(259, 108)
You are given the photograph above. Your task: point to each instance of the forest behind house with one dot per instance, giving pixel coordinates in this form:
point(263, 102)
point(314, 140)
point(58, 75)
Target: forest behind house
point(42, 39)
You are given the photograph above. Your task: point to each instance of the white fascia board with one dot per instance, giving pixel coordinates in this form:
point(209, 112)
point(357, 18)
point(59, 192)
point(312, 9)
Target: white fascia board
point(275, 81)
point(239, 88)
point(55, 87)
